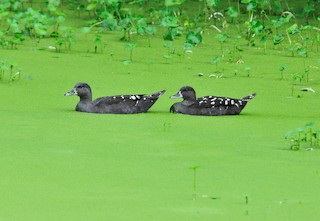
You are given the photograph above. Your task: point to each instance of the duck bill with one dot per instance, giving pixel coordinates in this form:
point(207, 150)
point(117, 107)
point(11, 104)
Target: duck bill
point(177, 95)
point(72, 92)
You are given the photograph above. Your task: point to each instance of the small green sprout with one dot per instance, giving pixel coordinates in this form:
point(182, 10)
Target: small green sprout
point(194, 168)
point(296, 79)
point(281, 69)
point(215, 60)
point(248, 69)
point(306, 136)
point(131, 47)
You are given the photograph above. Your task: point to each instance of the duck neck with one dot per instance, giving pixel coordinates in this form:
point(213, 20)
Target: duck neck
point(86, 98)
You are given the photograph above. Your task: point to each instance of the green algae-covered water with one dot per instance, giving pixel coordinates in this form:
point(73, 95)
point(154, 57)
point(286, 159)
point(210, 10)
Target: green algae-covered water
point(58, 164)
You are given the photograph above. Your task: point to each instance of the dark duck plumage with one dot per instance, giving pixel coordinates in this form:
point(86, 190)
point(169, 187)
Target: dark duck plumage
point(118, 104)
point(207, 105)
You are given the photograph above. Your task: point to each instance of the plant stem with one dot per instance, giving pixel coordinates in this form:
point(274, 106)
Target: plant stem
point(194, 181)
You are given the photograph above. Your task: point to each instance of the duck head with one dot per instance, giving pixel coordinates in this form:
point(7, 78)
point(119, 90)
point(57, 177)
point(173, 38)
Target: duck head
point(186, 92)
point(81, 89)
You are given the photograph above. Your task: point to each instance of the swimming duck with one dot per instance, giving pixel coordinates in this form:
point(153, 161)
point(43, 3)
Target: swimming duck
point(207, 105)
point(118, 104)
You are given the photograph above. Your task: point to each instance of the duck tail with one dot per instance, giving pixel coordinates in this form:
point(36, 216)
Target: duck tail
point(157, 94)
point(249, 97)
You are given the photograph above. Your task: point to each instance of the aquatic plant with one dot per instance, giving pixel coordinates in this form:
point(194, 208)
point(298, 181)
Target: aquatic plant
point(305, 136)
point(130, 47)
point(3, 68)
point(194, 37)
point(173, 27)
point(15, 71)
point(170, 50)
point(194, 168)
point(233, 13)
point(97, 42)
point(66, 38)
point(143, 28)
point(296, 79)
point(236, 52)
point(222, 38)
point(248, 70)
point(281, 69)
point(215, 60)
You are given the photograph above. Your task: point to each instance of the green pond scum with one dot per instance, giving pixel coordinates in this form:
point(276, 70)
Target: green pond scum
point(59, 164)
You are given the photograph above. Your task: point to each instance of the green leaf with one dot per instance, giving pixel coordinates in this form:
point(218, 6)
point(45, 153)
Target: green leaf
point(293, 29)
point(252, 6)
point(263, 39)
point(91, 6)
point(215, 60)
point(130, 46)
point(168, 36)
point(309, 125)
point(282, 67)
point(173, 2)
point(256, 26)
point(60, 19)
point(169, 21)
point(277, 39)
point(222, 37)
point(168, 44)
point(232, 12)
point(302, 51)
point(300, 130)
point(213, 3)
point(85, 30)
point(150, 30)
point(187, 47)
point(245, 1)
point(194, 38)
point(289, 134)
